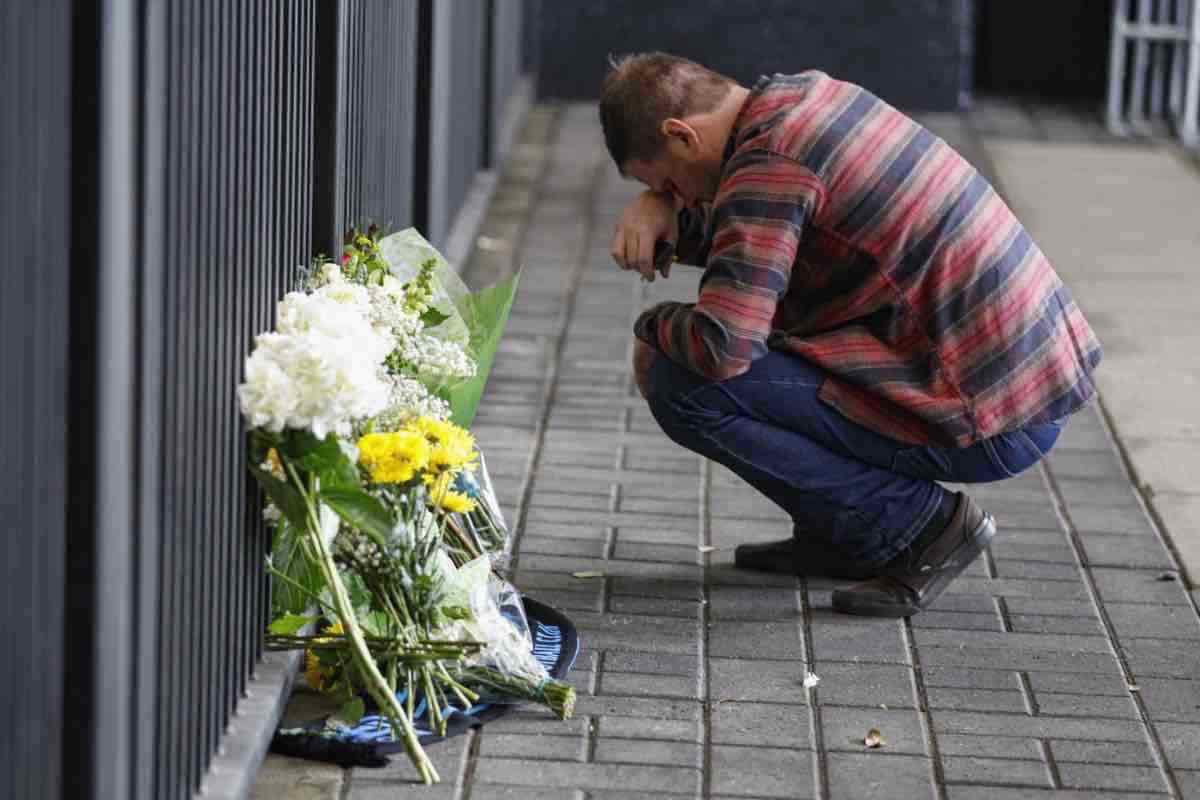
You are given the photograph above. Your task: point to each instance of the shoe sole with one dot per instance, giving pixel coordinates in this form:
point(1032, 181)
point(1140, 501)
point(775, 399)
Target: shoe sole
point(968, 551)
point(779, 569)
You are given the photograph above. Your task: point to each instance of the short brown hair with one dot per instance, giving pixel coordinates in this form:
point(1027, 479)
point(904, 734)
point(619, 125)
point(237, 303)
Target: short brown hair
point(643, 89)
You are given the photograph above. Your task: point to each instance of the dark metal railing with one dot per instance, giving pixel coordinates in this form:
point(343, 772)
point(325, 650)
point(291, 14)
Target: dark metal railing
point(174, 167)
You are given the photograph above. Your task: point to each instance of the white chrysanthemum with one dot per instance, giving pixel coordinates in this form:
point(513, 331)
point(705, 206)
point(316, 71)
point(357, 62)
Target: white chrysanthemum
point(388, 311)
point(329, 273)
point(431, 357)
point(319, 371)
point(410, 398)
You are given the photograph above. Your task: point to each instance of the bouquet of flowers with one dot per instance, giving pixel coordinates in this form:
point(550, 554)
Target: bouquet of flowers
point(358, 405)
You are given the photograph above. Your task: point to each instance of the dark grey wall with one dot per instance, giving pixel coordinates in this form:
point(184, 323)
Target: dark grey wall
point(913, 53)
point(1064, 55)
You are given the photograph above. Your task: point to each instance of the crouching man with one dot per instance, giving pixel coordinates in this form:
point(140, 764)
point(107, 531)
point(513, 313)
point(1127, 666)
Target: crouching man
point(872, 318)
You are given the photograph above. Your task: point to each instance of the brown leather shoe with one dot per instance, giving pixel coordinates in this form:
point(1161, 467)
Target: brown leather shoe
point(913, 580)
point(800, 556)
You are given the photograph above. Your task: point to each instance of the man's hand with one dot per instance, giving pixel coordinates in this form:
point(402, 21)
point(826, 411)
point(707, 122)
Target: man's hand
point(647, 220)
point(643, 358)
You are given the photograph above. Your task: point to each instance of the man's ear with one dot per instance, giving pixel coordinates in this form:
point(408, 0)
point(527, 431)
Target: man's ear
point(677, 131)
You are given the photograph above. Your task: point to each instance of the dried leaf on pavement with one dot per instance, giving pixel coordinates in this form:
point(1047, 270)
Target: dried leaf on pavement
point(874, 739)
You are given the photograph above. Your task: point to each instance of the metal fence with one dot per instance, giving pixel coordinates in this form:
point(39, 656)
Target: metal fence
point(167, 175)
point(1154, 67)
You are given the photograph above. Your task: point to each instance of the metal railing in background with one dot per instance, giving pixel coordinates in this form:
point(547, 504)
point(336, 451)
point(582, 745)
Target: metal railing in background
point(171, 167)
point(367, 88)
point(1154, 67)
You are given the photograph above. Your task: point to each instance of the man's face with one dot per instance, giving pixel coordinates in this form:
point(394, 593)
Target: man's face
point(686, 178)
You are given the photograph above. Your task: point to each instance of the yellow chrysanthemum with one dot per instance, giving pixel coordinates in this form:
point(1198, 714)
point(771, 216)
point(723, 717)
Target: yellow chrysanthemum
point(394, 457)
point(315, 673)
point(451, 447)
point(442, 496)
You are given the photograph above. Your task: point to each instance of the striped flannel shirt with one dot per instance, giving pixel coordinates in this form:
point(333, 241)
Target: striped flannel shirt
point(845, 232)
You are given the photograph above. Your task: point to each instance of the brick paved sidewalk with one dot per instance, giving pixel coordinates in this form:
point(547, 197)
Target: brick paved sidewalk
point(1067, 660)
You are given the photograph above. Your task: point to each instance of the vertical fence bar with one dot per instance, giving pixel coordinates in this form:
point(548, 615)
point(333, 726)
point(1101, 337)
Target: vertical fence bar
point(1190, 132)
point(35, 306)
point(1116, 66)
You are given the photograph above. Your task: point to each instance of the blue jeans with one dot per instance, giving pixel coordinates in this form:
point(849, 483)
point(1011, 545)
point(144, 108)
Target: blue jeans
point(865, 495)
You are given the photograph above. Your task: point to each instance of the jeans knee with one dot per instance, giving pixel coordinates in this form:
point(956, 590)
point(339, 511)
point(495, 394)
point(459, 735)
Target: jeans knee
point(677, 398)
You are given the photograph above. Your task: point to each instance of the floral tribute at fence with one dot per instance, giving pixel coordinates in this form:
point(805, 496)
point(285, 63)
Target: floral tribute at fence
point(388, 540)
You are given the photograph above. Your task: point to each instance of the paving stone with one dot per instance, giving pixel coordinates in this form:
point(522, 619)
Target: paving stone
point(1189, 782)
point(1012, 641)
point(1054, 607)
point(666, 553)
point(991, 747)
point(611, 567)
point(1114, 550)
point(1111, 776)
point(779, 640)
point(585, 548)
point(976, 699)
point(1036, 546)
point(674, 535)
point(1098, 465)
point(1168, 622)
point(1010, 588)
point(1077, 491)
point(750, 603)
point(533, 720)
point(1138, 586)
point(878, 775)
point(1032, 660)
point(1170, 699)
point(961, 678)
point(525, 772)
point(760, 724)
point(532, 745)
point(638, 685)
point(850, 639)
point(761, 772)
point(866, 685)
point(996, 771)
point(1120, 519)
point(1045, 727)
point(656, 606)
point(952, 620)
point(491, 791)
point(649, 587)
point(985, 792)
point(1161, 657)
point(637, 751)
point(650, 728)
point(1112, 684)
point(650, 662)
point(1179, 743)
point(766, 681)
point(1081, 626)
point(636, 632)
point(283, 778)
point(845, 728)
point(1037, 570)
point(1082, 705)
point(630, 706)
point(1101, 752)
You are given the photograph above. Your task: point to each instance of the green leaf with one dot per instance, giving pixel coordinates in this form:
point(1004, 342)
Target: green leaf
point(283, 495)
point(361, 510)
point(313, 454)
point(290, 624)
point(352, 712)
point(432, 318)
point(487, 315)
